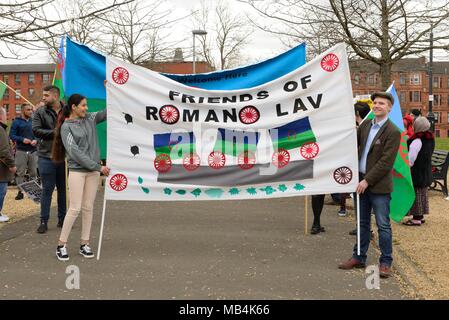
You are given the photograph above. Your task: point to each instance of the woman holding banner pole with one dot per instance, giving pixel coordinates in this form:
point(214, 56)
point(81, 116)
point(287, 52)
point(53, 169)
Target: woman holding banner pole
point(76, 137)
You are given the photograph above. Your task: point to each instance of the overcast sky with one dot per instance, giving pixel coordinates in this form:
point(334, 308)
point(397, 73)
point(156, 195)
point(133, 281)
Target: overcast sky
point(261, 45)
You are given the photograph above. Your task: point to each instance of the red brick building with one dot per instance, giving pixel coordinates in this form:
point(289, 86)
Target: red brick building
point(412, 85)
point(28, 80)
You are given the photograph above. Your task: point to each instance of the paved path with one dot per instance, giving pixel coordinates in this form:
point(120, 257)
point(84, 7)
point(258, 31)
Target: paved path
point(191, 250)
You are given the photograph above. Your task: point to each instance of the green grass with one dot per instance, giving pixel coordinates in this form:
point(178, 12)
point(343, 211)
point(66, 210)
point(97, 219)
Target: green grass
point(442, 144)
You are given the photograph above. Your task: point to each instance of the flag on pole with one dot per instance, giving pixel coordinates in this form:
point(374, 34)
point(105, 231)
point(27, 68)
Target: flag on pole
point(403, 195)
point(58, 78)
point(3, 88)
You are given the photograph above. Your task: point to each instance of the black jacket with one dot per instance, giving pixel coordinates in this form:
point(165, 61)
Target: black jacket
point(44, 124)
point(421, 171)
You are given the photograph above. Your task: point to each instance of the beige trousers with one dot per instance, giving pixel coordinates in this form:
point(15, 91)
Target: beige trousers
point(82, 192)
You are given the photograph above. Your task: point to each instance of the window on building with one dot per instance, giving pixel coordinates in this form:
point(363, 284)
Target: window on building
point(18, 108)
point(415, 96)
point(437, 82)
point(6, 106)
point(18, 93)
point(402, 78)
point(415, 78)
point(45, 77)
point(6, 78)
point(372, 79)
point(437, 133)
point(447, 119)
point(17, 78)
point(357, 79)
point(437, 117)
point(402, 97)
point(31, 92)
point(437, 99)
point(31, 78)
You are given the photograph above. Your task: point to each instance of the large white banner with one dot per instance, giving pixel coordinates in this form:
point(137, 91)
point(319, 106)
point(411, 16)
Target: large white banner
point(292, 136)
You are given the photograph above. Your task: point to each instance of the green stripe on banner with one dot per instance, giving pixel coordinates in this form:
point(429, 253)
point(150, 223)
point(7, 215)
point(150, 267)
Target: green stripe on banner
point(295, 141)
point(233, 149)
point(178, 151)
point(93, 106)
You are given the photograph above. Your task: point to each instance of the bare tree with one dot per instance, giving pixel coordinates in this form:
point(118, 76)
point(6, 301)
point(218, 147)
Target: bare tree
point(141, 30)
point(227, 35)
point(25, 23)
point(380, 31)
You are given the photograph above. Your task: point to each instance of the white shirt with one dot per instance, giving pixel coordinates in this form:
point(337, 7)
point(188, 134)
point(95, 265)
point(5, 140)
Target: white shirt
point(375, 127)
point(415, 147)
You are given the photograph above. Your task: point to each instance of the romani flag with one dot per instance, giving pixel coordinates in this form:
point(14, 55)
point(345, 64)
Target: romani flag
point(174, 145)
point(236, 142)
point(58, 78)
point(292, 135)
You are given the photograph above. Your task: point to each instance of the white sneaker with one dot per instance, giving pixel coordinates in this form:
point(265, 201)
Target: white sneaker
point(86, 251)
point(4, 218)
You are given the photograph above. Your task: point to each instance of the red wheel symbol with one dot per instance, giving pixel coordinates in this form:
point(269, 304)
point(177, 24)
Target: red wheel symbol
point(191, 162)
point(249, 115)
point(309, 150)
point(162, 163)
point(330, 62)
point(343, 175)
point(169, 114)
point(246, 160)
point(216, 160)
point(281, 158)
point(118, 182)
point(120, 75)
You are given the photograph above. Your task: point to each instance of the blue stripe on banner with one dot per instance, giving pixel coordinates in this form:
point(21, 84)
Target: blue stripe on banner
point(87, 70)
point(238, 136)
point(171, 139)
point(291, 129)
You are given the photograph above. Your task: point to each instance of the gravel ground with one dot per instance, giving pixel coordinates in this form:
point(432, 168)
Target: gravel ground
point(421, 253)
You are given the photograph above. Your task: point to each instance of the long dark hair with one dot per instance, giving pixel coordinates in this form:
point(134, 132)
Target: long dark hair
point(58, 150)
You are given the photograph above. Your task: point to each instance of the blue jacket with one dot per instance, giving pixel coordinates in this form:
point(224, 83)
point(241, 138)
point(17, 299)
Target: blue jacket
point(20, 130)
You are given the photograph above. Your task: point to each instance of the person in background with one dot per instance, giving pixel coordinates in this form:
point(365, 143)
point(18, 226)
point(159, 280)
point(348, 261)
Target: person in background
point(408, 125)
point(52, 174)
point(421, 145)
point(415, 113)
point(7, 164)
point(76, 138)
point(22, 134)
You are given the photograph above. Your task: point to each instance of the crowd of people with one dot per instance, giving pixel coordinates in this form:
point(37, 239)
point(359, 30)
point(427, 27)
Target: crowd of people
point(44, 139)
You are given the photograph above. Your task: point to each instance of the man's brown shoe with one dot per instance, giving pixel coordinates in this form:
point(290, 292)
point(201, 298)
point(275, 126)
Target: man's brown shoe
point(384, 271)
point(350, 264)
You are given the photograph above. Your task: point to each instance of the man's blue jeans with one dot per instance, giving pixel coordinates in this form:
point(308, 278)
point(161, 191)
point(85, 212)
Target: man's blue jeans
point(380, 203)
point(3, 189)
point(52, 175)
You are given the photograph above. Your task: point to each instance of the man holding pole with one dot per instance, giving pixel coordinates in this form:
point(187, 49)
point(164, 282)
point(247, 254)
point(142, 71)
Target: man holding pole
point(52, 174)
point(378, 143)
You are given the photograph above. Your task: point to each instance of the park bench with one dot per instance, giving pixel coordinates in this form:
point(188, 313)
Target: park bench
point(440, 164)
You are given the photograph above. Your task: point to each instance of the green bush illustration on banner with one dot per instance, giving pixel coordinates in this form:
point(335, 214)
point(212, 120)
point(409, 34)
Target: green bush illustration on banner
point(214, 193)
point(146, 190)
point(268, 190)
point(282, 187)
point(167, 191)
point(181, 192)
point(234, 191)
point(298, 187)
point(251, 191)
point(196, 192)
